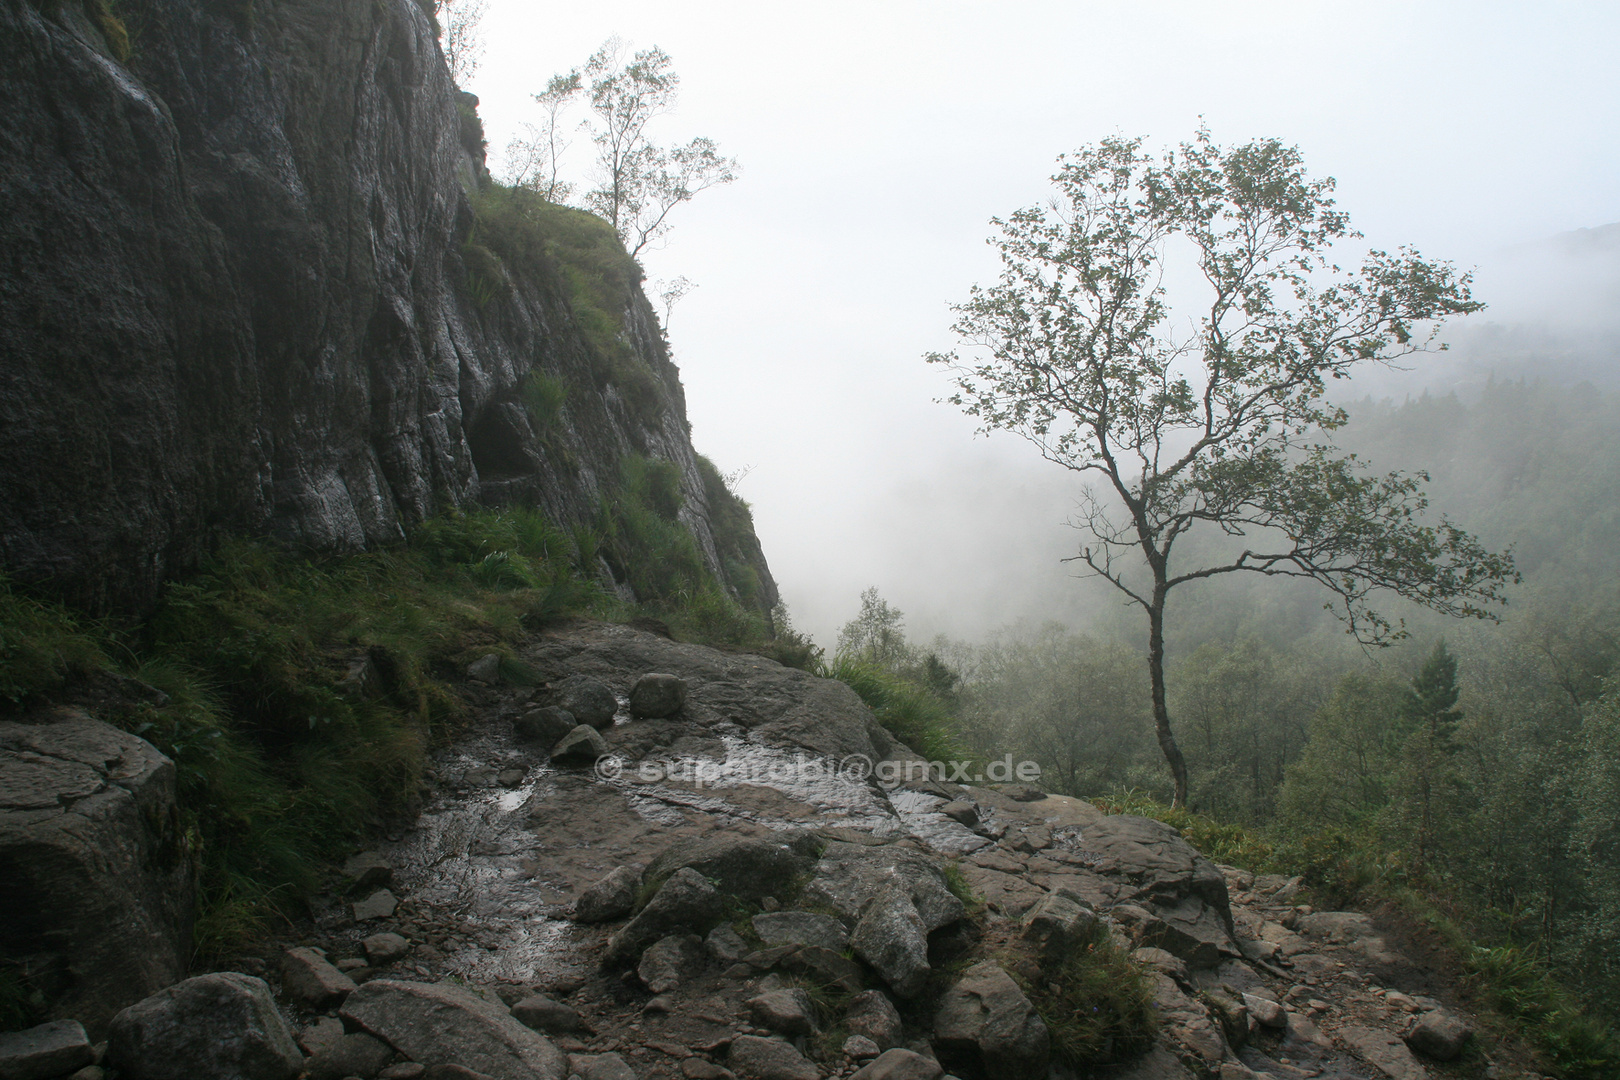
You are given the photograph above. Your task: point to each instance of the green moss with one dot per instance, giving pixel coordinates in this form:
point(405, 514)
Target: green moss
point(471, 128)
point(732, 523)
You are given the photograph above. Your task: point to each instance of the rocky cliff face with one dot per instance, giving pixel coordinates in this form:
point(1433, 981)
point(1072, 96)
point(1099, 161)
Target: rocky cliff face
point(244, 287)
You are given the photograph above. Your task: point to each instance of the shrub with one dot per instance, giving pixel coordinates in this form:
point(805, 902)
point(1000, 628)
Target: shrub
point(1097, 1004)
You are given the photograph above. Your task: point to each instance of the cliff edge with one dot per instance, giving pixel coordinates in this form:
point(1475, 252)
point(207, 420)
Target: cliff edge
point(256, 280)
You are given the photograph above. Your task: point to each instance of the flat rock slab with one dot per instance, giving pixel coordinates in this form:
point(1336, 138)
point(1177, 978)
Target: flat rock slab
point(379, 905)
point(801, 928)
point(52, 1049)
point(1385, 1052)
point(438, 1023)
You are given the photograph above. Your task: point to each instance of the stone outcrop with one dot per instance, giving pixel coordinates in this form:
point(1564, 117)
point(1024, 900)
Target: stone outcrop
point(987, 1022)
point(97, 900)
point(829, 899)
point(248, 286)
point(224, 1024)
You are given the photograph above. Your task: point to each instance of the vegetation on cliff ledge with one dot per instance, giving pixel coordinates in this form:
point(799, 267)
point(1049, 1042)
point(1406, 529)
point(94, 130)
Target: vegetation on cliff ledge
point(299, 697)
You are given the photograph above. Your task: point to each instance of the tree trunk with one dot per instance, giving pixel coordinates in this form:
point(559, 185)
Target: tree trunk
point(1161, 711)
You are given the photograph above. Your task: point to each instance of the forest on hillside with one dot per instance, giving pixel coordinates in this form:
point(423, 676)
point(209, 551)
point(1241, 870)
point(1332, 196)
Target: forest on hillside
point(1475, 763)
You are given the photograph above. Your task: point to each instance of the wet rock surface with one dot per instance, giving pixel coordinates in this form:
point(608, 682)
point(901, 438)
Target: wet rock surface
point(740, 909)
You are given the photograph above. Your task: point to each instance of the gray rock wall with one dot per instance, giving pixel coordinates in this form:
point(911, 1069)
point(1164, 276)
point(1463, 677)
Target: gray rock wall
point(233, 296)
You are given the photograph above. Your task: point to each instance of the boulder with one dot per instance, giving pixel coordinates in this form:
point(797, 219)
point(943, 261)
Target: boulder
point(860, 1048)
point(445, 1071)
point(379, 905)
point(1267, 1013)
point(485, 669)
point(769, 1059)
point(385, 948)
point(222, 1024)
point(787, 1012)
point(1439, 1035)
point(355, 1054)
point(444, 1024)
point(546, 725)
point(582, 746)
point(98, 892)
point(588, 700)
point(612, 897)
point(656, 695)
point(899, 1064)
point(1058, 924)
point(323, 1034)
point(985, 1021)
point(600, 1067)
point(311, 981)
point(1184, 892)
point(745, 867)
point(48, 1050)
point(893, 939)
point(1228, 1009)
point(671, 961)
point(726, 945)
point(1383, 1051)
point(801, 928)
point(547, 1016)
point(684, 903)
point(962, 812)
point(873, 1015)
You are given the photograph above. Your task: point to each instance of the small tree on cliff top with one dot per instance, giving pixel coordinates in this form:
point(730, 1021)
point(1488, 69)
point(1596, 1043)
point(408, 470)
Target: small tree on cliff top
point(1228, 428)
point(639, 182)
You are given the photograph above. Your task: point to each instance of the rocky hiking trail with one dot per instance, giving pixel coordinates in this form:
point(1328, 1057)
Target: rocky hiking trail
point(734, 899)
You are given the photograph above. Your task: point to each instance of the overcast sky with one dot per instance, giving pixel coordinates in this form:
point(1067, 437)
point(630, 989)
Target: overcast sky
point(878, 138)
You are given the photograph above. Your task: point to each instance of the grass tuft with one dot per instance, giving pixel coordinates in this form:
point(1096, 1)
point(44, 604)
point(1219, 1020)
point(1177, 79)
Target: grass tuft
point(916, 715)
point(1097, 1004)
